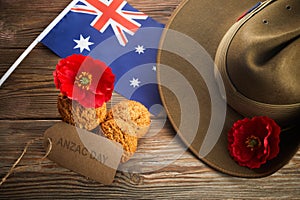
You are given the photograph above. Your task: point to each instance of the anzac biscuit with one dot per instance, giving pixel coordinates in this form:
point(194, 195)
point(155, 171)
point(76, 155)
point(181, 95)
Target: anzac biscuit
point(133, 114)
point(75, 114)
point(111, 130)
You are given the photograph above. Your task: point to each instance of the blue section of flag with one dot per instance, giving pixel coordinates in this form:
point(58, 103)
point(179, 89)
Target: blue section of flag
point(133, 64)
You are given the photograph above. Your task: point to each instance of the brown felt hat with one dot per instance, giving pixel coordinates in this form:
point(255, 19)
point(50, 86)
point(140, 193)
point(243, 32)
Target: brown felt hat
point(255, 64)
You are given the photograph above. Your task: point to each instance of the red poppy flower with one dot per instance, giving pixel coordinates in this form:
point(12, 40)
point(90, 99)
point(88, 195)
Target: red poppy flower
point(84, 79)
point(251, 142)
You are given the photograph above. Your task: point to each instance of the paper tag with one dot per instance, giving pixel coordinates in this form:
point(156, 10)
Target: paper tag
point(83, 152)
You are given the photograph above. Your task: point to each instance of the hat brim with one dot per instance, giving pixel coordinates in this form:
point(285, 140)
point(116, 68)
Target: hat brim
point(206, 21)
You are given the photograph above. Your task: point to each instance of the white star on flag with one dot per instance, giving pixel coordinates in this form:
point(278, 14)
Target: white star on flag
point(135, 82)
point(140, 49)
point(154, 68)
point(83, 43)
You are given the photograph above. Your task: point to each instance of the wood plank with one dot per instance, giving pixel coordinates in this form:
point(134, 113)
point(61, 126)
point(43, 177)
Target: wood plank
point(186, 177)
point(22, 21)
point(30, 91)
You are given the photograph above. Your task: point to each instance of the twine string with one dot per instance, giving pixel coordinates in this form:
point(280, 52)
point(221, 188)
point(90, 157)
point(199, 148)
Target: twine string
point(23, 154)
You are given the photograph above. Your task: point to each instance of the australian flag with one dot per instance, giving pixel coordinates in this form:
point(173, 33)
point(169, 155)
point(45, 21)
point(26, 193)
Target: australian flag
point(117, 34)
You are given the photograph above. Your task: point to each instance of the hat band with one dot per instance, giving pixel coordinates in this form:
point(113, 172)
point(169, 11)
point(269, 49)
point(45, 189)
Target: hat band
point(282, 114)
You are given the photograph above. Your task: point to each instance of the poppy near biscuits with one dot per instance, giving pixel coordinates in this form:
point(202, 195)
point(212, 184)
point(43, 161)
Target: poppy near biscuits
point(84, 79)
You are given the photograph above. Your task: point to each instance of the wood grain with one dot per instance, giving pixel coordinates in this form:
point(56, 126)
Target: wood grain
point(28, 108)
point(184, 177)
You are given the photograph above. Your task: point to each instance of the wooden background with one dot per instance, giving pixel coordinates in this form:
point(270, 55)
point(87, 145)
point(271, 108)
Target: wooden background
point(28, 108)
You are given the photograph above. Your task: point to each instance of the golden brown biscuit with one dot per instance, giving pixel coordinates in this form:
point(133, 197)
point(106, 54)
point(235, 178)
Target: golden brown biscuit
point(133, 114)
point(75, 114)
point(112, 131)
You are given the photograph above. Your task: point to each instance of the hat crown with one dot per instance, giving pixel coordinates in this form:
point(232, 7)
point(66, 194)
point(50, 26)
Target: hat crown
point(263, 60)
point(258, 59)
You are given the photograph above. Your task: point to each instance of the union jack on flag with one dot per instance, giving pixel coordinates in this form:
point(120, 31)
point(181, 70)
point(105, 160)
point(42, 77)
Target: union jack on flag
point(116, 33)
point(110, 13)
